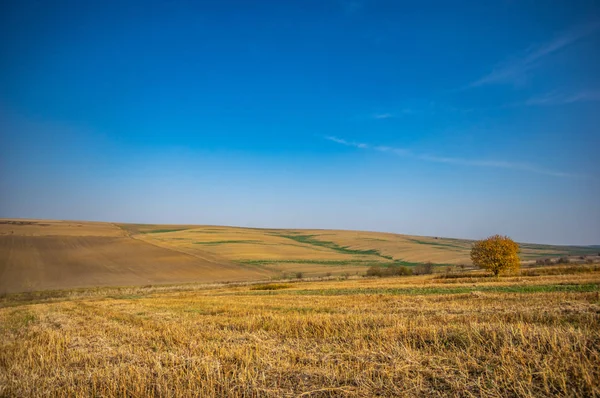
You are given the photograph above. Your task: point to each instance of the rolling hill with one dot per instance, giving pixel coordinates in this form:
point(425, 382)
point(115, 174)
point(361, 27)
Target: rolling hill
point(42, 254)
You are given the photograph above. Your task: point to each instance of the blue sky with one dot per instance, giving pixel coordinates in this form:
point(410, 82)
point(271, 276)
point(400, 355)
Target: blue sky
point(430, 118)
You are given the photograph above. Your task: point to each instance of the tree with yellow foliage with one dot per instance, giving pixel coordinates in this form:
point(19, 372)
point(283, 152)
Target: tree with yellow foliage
point(497, 254)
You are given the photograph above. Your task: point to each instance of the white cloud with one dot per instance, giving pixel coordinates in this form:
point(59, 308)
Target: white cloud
point(559, 99)
point(382, 116)
point(500, 164)
point(515, 70)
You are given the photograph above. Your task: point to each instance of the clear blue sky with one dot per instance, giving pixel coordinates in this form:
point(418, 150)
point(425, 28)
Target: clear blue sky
point(459, 119)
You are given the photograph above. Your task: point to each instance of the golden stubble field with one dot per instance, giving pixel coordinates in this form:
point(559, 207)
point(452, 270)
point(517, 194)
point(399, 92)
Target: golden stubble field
point(409, 336)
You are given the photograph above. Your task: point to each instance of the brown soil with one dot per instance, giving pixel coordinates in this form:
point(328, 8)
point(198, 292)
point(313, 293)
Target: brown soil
point(34, 262)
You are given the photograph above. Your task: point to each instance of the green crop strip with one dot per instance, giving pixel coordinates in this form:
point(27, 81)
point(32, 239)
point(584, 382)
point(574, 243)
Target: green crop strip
point(223, 242)
point(361, 263)
point(590, 287)
point(561, 250)
point(324, 262)
point(309, 239)
point(424, 242)
point(160, 231)
point(413, 264)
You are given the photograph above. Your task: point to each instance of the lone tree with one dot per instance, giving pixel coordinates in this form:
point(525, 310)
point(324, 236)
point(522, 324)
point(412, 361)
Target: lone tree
point(497, 254)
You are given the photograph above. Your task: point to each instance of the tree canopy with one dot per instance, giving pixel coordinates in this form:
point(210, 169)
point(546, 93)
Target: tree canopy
point(497, 254)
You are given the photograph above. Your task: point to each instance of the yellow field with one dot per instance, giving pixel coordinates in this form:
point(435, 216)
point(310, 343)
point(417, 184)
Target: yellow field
point(276, 244)
point(42, 254)
point(259, 244)
point(321, 252)
point(411, 336)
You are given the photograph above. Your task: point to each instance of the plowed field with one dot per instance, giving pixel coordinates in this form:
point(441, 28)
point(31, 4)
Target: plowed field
point(37, 260)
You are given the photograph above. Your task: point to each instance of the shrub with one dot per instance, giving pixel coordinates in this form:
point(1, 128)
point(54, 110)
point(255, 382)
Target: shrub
point(459, 275)
point(424, 269)
point(378, 270)
point(564, 260)
point(571, 269)
point(497, 254)
point(401, 270)
point(548, 261)
point(299, 275)
point(270, 286)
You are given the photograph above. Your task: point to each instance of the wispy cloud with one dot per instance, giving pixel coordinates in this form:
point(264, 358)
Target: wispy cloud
point(382, 116)
point(428, 108)
point(400, 113)
point(347, 143)
point(515, 70)
point(500, 164)
point(555, 98)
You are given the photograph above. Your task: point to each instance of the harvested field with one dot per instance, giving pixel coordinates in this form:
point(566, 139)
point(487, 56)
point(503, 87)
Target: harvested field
point(58, 228)
point(409, 337)
point(44, 257)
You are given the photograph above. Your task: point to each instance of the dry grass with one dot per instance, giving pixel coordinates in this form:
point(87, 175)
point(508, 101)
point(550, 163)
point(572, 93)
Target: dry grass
point(412, 336)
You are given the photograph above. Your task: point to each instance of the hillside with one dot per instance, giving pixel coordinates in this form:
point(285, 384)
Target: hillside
point(289, 250)
point(42, 254)
point(39, 255)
